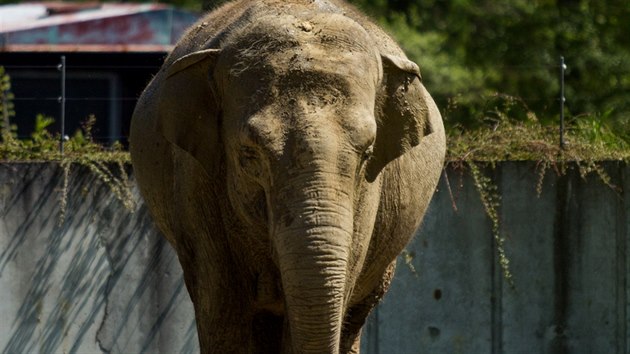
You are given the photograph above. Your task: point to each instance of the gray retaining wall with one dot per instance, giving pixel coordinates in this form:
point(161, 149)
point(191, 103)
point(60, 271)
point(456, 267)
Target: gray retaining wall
point(104, 281)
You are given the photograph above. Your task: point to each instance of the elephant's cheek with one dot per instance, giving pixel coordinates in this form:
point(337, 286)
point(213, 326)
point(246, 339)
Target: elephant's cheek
point(249, 201)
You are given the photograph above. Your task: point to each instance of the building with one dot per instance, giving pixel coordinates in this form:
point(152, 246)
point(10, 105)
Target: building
point(111, 52)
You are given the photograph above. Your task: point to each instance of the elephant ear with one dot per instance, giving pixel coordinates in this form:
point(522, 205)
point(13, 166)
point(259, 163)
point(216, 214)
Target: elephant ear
point(402, 113)
point(188, 109)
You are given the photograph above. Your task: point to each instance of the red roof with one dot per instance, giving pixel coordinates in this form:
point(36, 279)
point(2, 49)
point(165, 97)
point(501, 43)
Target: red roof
point(91, 27)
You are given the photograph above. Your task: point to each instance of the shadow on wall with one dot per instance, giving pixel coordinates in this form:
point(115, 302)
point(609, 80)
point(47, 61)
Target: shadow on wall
point(103, 280)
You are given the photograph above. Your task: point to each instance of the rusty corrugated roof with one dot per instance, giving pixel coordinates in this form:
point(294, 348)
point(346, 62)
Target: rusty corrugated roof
point(91, 27)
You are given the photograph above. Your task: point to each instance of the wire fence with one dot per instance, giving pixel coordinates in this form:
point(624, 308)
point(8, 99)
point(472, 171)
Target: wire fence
point(67, 87)
point(114, 97)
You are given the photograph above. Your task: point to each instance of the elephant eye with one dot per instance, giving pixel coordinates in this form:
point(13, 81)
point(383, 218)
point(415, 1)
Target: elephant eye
point(367, 154)
point(248, 152)
point(249, 161)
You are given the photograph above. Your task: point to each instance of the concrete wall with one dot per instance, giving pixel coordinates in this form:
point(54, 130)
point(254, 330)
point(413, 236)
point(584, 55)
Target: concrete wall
point(104, 280)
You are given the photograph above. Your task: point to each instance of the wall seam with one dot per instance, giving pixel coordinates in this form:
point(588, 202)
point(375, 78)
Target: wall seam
point(497, 278)
point(622, 244)
point(562, 261)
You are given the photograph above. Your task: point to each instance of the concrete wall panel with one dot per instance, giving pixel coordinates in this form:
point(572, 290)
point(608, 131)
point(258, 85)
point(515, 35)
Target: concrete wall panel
point(105, 281)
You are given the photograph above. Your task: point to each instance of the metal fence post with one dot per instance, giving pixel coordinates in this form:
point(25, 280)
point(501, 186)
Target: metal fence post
point(563, 67)
point(62, 102)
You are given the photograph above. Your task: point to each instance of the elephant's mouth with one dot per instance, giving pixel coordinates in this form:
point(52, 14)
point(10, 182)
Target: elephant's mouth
point(269, 296)
point(269, 293)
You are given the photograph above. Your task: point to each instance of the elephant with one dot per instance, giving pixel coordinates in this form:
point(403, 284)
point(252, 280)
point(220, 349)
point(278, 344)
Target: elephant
point(288, 151)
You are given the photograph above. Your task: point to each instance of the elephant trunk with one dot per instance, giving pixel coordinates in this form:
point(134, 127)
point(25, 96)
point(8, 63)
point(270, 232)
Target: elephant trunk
point(312, 236)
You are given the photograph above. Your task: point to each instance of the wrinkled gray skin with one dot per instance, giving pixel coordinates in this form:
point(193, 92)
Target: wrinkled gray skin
point(288, 151)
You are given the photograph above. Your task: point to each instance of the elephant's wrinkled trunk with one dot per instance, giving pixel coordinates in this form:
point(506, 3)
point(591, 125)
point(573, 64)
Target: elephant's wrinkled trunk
point(312, 238)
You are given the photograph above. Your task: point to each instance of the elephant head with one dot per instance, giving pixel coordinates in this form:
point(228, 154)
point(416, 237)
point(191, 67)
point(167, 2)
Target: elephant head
point(307, 113)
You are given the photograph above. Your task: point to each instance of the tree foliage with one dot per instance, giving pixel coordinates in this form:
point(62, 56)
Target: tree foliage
point(471, 50)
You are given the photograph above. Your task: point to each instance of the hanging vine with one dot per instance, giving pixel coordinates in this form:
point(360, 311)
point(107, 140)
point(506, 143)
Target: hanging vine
point(491, 200)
